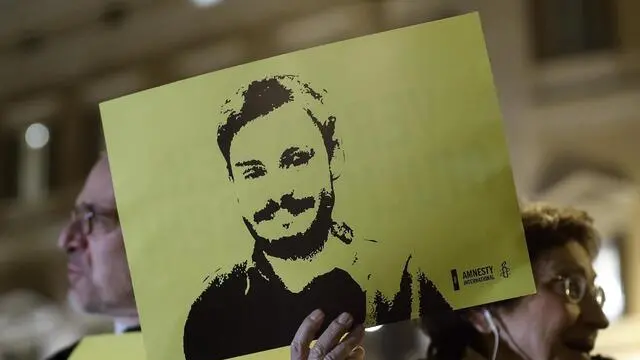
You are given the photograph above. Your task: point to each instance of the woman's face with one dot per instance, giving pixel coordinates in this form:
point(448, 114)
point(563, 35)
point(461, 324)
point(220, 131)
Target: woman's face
point(549, 325)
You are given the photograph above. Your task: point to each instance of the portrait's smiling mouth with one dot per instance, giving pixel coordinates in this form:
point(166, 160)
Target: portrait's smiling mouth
point(284, 220)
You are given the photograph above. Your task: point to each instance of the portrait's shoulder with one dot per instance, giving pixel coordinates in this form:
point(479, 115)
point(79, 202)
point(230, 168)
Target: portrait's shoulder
point(226, 282)
point(227, 285)
point(220, 296)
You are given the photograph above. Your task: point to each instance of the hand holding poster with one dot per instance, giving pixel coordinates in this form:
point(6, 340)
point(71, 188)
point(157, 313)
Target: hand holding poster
point(369, 176)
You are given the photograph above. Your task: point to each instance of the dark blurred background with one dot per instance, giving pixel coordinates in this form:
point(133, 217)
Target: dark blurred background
point(567, 73)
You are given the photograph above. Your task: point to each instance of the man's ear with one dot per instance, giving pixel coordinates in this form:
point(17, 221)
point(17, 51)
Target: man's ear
point(336, 163)
point(479, 321)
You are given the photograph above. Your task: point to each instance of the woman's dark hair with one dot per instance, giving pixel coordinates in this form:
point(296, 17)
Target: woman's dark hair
point(545, 228)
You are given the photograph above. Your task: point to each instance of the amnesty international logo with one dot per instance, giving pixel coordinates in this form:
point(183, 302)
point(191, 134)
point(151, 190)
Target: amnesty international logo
point(479, 274)
point(505, 270)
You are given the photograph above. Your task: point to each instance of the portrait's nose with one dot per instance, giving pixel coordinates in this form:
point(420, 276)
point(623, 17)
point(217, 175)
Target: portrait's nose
point(293, 182)
point(279, 185)
point(71, 238)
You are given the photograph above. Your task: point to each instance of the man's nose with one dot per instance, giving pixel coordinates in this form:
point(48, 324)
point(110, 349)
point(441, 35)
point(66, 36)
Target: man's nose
point(71, 238)
point(594, 315)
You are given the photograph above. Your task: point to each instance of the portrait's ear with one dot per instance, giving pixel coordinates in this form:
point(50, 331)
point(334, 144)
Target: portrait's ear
point(478, 319)
point(337, 162)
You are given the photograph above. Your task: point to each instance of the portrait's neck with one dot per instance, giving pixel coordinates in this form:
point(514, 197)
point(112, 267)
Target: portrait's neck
point(296, 274)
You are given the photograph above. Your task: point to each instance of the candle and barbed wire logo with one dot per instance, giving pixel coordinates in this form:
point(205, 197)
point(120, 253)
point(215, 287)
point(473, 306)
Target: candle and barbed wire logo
point(454, 279)
point(505, 270)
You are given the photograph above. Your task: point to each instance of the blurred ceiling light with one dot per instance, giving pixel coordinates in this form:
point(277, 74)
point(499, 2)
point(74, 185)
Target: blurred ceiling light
point(373, 328)
point(206, 3)
point(36, 136)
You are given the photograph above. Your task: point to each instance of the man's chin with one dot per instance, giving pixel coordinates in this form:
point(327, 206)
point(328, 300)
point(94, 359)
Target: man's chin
point(567, 353)
point(80, 301)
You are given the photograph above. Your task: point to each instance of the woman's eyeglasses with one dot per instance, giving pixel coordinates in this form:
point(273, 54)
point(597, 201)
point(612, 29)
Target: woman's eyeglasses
point(91, 221)
point(576, 287)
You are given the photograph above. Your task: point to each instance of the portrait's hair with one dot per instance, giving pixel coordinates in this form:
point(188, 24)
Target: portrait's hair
point(261, 97)
point(546, 227)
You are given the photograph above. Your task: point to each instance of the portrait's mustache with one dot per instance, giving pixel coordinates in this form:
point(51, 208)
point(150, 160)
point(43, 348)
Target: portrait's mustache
point(287, 202)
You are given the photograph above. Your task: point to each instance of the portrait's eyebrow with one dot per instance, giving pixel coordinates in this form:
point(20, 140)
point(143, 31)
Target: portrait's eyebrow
point(248, 163)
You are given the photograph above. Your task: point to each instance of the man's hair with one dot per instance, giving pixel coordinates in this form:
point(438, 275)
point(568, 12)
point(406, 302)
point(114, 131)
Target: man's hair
point(261, 97)
point(546, 228)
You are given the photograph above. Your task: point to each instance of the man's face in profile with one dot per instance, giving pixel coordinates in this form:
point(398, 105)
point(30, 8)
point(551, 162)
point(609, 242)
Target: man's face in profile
point(99, 277)
point(281, 173)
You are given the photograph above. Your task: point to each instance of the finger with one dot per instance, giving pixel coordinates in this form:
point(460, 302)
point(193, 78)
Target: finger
point(347, 348)
point(305, 334)
point(357, 353)
point(331, 336)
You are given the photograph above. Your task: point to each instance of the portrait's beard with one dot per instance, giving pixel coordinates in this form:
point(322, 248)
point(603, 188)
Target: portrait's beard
point(303, 245)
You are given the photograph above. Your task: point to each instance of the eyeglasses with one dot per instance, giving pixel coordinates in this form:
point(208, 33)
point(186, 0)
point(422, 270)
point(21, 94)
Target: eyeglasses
point(576, 287)
point(93, 221)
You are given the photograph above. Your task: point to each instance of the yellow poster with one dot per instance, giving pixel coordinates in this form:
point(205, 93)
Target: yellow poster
point(369, 176)
point(127, 346)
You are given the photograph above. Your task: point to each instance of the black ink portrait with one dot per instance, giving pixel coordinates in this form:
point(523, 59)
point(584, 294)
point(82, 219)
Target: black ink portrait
point(283, 157)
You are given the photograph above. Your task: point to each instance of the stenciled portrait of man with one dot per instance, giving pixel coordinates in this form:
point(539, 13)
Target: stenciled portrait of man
point(283, 158)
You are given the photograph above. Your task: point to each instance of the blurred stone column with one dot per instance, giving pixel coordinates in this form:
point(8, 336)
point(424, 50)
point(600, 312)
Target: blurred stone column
point(8, 184)
point(631, 263)
point(33, 172)
point(629, 32)
point(69, 138)
point(156, 72)
point(30, 119)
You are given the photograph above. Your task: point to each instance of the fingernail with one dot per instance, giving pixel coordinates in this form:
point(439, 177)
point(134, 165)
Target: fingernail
point(316, 315)
point(345, 319)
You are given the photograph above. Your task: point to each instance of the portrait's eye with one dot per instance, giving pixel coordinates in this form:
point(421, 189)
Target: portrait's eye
point(296, 157)
point(254, 172)
point(251, 169)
